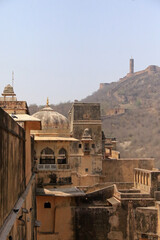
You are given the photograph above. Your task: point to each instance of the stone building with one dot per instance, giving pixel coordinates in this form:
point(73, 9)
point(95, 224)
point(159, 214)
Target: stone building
point(68, 181)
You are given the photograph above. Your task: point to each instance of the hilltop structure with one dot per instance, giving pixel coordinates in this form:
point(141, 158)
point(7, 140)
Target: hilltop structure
point(149, 70)
point(63, 179)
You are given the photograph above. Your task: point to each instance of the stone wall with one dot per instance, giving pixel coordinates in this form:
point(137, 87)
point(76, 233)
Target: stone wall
point(12, 164)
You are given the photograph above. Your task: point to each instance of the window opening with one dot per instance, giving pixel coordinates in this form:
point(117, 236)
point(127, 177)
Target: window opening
point(62, 157)
point(47, 205)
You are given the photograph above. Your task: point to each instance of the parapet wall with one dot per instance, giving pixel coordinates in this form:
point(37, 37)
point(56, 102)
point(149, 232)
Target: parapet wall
point(122, 170)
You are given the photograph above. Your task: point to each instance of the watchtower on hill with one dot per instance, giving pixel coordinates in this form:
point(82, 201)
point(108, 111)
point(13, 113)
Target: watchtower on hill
point(131, 66)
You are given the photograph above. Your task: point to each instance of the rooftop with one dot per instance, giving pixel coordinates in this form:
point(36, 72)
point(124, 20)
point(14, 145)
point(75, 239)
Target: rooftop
point(60, 192)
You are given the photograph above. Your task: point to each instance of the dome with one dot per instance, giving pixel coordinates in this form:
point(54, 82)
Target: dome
point(8, 90)
point(51, 119)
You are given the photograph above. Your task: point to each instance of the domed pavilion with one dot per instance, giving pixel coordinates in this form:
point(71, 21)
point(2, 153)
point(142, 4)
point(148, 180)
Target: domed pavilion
point(53, 142)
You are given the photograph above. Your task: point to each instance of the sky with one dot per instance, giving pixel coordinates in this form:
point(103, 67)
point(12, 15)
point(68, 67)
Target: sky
point(63, 49)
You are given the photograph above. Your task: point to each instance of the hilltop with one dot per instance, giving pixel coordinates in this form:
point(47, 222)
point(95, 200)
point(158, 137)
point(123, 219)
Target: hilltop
point(131, 112)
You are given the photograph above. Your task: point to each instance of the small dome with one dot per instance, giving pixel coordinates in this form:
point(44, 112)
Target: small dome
point(51, 119)
point(8, 90)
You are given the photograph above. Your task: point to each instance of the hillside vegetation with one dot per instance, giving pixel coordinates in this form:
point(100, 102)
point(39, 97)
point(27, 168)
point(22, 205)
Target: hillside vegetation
point(138, 128)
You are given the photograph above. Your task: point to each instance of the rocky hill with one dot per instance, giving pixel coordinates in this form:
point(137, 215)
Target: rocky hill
point(130, 112)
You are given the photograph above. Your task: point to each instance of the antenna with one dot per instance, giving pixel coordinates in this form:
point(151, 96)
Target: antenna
point(13, 79)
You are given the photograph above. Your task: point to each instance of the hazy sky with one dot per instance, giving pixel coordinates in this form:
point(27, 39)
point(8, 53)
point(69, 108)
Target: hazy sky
point(63, 49)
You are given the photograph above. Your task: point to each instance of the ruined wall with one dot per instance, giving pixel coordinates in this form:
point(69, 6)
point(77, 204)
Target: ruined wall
point(12, 163)
point(122, 170)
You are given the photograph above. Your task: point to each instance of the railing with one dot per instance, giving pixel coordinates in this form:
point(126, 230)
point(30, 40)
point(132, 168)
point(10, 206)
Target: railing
point(51, 167)
point(142, 179)
point(63, 166)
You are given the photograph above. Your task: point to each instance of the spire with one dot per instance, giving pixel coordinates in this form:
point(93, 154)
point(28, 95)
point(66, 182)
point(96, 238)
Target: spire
point(47, 104)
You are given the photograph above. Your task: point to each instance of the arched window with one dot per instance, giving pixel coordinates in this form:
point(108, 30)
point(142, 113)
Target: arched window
point(47, 205)
point(47, 156)
point(62, 156)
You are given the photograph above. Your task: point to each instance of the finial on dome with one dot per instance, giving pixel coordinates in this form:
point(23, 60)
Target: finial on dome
point(47, 102)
